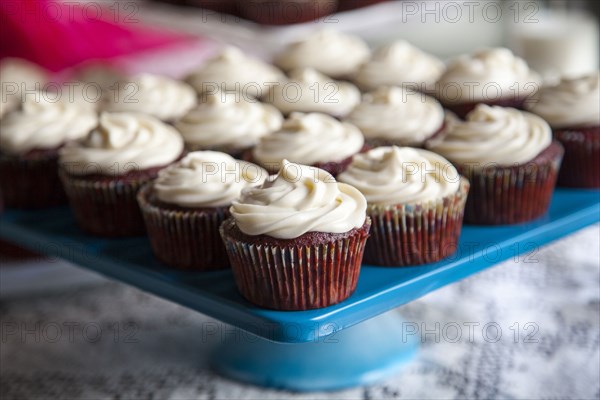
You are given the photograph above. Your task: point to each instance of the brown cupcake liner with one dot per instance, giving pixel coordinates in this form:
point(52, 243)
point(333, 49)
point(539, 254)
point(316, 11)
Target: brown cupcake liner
point(106, 207)
point(581, 164)
point(184, 239)
point(31, 182)
point(414, 234)
point(296, 274)
point(510, 195)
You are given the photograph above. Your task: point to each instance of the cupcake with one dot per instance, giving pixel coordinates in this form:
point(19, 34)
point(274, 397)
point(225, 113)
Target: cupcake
point(184, 207)
point(310, 91)
point(330, 52)
point(572, 108)
point(103, 173)
point(310, 139)
point(30, 139)
point(396, 116)
point(296, 242)
point(233, 71)
point(399, 64)
point(415, 199)
point(510, 160)
point(161, 97)
point(492, 77)
point(18, 76)
point(228, 123)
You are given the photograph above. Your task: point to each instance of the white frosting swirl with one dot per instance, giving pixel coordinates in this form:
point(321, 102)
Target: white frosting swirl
point(571, 103)
point(164, 98)
point(309, 139)
point(310, 91)
point(397, 64)
point(398, 115)
point(486, 75)
point(328, 51)
point(298, 200)
point(206, 179)
point(229, 122)
point(232, 70)
point(44, 124)
point(17, 76)
point(121, 143)
point(505, 136)
point(401, 175)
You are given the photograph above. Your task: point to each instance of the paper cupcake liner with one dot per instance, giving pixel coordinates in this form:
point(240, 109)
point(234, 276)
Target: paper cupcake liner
point(182, 239)
point(31, 182)
point(581, 163)
point(510, 195)
point(415, 234)
point(105, 207)
point(294, 275)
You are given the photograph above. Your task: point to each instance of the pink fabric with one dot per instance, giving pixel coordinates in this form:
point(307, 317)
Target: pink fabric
point(59, 35)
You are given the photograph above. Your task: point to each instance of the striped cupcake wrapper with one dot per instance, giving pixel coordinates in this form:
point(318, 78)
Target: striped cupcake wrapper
point(187, 240)
point(294, 277)
point(510, 195)
point(415, 234)
point(105, 208)
point(581, 163)
point(30, 183)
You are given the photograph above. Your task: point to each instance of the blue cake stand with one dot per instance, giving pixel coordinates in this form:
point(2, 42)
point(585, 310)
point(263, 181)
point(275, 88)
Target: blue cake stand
point(303, 350)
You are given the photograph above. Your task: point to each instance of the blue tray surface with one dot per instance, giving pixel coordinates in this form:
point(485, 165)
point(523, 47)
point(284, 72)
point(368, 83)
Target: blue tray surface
point(380, 289)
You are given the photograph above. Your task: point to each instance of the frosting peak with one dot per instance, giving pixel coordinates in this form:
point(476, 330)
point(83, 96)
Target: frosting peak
point(123, 142)
point(299, 199)
point(401, 175)
point(206, 179)
point(310, 91)
point(309, 139)
point(398, 115)
point(399, 64)
point(44, 124)
point(488, 74)
point(164, 98)
point(232, 70)
point(499, 135)
point(572, 103)
point(328, 51)
point(229, 122)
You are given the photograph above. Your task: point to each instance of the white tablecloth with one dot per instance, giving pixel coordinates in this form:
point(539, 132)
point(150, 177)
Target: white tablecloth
point(113, 341)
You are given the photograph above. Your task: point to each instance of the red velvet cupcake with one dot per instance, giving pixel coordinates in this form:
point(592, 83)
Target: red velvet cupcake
point(30, 138)
point(510, 160)
point(102, 174)
point(184, 207)
point(416, 201)
point(296, 242)
point(495, 77)
point(572, 108)
point(311, 139)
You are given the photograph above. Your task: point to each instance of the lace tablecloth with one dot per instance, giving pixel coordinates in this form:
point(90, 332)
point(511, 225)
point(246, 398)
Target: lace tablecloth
point(526, 329)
